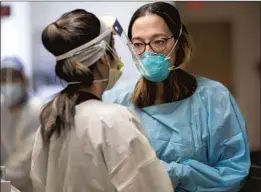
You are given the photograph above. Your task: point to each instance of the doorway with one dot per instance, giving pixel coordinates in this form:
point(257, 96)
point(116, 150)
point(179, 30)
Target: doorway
point(212, 54)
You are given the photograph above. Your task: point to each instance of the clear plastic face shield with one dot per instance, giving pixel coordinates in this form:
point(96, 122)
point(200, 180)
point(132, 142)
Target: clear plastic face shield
point(118, 29)
point(112, 22)
point(95, 49)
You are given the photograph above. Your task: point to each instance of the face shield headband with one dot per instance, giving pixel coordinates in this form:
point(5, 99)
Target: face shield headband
point(90, 52)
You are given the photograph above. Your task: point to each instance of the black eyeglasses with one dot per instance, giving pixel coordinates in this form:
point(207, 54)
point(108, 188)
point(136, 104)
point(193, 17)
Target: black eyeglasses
point(157, 45)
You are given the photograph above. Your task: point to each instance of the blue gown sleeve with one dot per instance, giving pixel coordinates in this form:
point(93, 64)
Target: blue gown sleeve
point(119, 95)
point(228, 152)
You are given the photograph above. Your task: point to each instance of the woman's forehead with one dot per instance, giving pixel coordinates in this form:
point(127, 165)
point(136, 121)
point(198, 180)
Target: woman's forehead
point(149, 26)
point(9, 74)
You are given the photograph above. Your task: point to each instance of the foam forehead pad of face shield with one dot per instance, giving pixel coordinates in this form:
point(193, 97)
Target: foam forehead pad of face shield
point(92, 51)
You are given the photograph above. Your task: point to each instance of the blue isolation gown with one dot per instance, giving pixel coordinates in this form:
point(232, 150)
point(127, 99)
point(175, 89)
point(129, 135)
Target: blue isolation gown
point(201, 141)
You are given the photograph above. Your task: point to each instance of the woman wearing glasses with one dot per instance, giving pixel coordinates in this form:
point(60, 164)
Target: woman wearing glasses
point(193, 123)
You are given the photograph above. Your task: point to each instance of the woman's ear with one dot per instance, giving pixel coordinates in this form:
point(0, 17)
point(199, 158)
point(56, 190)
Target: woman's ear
point(102, 68)
point(104, 60)
point(108, 59)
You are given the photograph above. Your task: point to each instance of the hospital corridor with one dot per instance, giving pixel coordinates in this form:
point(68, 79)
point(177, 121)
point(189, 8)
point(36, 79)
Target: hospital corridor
point(130, 96)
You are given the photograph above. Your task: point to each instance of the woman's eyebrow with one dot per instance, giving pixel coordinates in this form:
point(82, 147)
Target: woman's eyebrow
point(153, 36)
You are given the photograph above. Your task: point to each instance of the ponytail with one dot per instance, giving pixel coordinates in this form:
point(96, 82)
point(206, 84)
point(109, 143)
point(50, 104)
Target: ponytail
point(58, 114)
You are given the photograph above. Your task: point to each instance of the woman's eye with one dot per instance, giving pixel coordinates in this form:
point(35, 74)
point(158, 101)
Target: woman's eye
point(159, 42)
point(137, 45)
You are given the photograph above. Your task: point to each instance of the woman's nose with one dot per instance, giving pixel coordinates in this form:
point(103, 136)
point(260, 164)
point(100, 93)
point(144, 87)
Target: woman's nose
point(148, 48)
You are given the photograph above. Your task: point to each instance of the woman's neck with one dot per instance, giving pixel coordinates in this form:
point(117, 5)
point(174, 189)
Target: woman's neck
point(96, 89)
point(159, 93)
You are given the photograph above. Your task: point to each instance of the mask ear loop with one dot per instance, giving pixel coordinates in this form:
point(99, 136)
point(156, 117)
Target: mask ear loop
point(180, 32)
point(74, 82)
point(61, 83)
point(175, 67)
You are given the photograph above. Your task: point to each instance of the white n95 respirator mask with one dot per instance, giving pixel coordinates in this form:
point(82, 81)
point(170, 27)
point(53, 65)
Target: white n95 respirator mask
point(114, 75)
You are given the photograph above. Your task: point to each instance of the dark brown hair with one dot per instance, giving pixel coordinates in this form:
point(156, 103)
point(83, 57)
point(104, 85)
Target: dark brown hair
point(71, 30)
point(179, 84)
point(15, 74)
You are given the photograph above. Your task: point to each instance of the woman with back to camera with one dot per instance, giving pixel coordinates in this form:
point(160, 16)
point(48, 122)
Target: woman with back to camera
point(193, 123)
point(84, 144)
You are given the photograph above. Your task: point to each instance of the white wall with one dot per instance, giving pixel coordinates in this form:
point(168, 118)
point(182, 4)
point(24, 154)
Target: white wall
point(16, 33)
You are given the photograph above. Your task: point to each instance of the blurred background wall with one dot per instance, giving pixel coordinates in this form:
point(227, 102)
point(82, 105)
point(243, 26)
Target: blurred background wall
point(226, 38)
point(16, 32)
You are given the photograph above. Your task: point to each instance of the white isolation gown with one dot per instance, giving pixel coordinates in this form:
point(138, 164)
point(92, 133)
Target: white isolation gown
point(105, 152)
